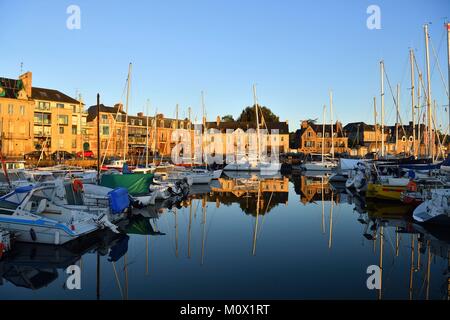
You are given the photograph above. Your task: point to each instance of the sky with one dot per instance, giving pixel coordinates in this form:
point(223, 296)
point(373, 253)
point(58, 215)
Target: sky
point(295, 51)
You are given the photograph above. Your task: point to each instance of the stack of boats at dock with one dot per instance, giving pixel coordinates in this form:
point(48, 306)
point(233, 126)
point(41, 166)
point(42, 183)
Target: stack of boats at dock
point(418, 183)
point(59, 204)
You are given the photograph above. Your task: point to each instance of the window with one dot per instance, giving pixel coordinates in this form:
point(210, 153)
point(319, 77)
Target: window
point(46, 118)
point(61, 130)
point(104, 118)
point(22, 110)
point(140, 122)
point(105, 130)
point(309, 134)
point(10, 109)
point(63, 120)
point(74, 129)
point(60, 105)
point(38, 118)
point(327, 134)
point(319, 134)
point(74, 143)
point(43, 105)
point(132, 122)
point(74, 108)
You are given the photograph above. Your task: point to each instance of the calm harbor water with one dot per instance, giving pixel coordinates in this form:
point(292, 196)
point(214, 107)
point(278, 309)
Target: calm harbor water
point(245, 238)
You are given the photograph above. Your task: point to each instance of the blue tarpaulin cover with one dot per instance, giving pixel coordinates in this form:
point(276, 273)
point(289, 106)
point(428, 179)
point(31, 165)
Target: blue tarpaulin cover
point(118, 200)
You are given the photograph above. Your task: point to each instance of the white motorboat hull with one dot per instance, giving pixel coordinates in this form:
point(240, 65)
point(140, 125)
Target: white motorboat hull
point(261, 166)
point(318, 167)
point(436, 210)
point(44, 231)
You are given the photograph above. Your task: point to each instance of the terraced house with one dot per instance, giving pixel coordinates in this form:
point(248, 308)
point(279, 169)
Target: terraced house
point(310, 136)
point(116, 138)
point(35, 118)
point(59, 122)
point(16, 116)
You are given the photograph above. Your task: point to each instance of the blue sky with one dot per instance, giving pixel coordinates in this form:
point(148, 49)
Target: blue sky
point(295, 51)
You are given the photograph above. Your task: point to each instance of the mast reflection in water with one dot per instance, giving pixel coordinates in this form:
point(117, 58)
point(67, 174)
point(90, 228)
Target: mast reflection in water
point(244, 236)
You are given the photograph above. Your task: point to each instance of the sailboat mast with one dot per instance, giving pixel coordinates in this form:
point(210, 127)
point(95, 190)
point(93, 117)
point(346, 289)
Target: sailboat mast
point(375, 122)
point(146, 135)
point(204, 128)
point(413, 112)
point(382, 106)
point(397, 118)
point(419, 82)
point(255, 100)
point(323, 132)
point(126, 114)
point(332, 130)
point(430, 131)
point(448, 79)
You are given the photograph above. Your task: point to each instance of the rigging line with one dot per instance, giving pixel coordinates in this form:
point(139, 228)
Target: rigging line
point(422, 82)
point(395, 102)
point(405, 69)
point(117, 279)
point(439, 48)
point(439, 68)
point(115, 119)
point(264, 216)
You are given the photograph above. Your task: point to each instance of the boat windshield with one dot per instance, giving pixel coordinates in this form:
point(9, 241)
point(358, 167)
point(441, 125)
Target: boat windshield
point(14, 198)
point(16, 176)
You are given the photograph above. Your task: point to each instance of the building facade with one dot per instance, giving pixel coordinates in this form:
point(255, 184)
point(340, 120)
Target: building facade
point(113, 132)
point(59, 122)
point(274, 137)
point(310, 137)
point(398, 139)
point(16, 116)
point(35, 119)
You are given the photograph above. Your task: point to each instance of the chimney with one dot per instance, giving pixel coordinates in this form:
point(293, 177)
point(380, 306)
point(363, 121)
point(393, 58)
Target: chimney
point(218, 120)
point(27, 80)
point(140, 114)
point(118, 106)
point(304, 124)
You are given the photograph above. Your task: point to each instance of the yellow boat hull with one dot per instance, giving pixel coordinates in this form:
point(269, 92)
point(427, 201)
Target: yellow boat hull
point(387, 210)
point(385, 192)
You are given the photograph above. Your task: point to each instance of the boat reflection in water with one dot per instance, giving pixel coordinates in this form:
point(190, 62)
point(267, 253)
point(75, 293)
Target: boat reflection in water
point(34, 266)
point(390, 227)
point(184, 250)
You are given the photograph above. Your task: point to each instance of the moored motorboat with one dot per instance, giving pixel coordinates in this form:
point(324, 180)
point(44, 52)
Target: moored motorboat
point(31, 216)
point(435, 210)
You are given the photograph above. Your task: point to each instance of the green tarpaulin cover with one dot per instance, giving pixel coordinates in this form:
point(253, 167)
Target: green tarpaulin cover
point(142, 226)
point(136, 183)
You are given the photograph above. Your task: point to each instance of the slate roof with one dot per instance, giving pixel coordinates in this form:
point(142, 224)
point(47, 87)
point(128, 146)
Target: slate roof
point(51, 95)
point(282, 127)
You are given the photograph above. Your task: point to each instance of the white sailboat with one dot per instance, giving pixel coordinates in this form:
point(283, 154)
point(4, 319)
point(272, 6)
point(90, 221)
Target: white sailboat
point(326, 164)
point(265, 167)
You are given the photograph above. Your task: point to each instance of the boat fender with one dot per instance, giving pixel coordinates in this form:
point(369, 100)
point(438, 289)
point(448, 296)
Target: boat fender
point(77, 185)
point(411, 186)
point(33, 234)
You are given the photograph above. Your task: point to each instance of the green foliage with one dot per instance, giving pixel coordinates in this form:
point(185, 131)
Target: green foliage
point(227, 118)
point(249, 115)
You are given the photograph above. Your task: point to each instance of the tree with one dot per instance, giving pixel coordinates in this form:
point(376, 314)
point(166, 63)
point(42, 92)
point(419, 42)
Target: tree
point(227, 118)
point(249, 115)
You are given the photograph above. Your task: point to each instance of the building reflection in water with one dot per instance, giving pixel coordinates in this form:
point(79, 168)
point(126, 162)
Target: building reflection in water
point(387, 227)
